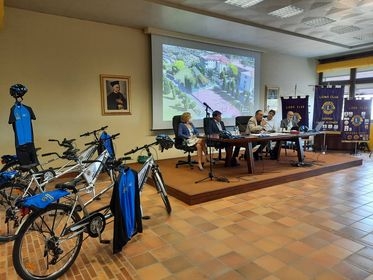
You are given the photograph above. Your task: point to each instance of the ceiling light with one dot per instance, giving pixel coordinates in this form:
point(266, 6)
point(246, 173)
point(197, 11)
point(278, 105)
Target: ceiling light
point(317, 21)
point(287, 11)
point(243, 3)
point(343, 29)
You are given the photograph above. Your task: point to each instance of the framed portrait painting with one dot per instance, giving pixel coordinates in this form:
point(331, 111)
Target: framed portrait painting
point(272, 96)
point(115, 95)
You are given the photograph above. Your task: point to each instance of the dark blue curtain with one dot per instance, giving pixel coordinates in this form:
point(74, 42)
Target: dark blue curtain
point(356, 120)
point(328, 107)
point(297, 105)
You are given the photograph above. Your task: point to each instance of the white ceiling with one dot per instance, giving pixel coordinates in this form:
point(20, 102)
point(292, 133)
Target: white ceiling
point(350, 28)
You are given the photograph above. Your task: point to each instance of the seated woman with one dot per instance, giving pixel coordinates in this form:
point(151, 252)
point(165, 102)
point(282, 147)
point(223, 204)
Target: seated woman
point(187, 131)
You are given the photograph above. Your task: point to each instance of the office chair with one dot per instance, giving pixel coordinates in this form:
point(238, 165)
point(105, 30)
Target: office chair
point(180, 144)
point(213, 144)
point(241, 123)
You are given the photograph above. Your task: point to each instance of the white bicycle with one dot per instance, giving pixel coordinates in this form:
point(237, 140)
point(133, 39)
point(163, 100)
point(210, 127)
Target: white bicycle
point(150, 165)
point(13, 191)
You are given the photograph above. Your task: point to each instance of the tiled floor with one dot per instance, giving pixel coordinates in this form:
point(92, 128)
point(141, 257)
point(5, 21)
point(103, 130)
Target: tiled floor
point(320, 228)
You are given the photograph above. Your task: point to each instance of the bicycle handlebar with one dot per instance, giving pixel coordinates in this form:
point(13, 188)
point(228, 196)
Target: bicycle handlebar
point(68, 154)
point(67, 143)
point(93, 131)
point(140, 148)
point(98, 140)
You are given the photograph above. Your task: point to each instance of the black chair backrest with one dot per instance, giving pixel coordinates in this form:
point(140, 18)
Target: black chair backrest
point(175, 125)
point(206, 124)
point(241, 122)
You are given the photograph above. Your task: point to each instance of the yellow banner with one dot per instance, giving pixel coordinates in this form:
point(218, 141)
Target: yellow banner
point(351, 63)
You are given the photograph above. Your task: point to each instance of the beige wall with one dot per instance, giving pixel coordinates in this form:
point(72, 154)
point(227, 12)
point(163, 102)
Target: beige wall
point(295, 76)
point(60, 59)
point(286, 72)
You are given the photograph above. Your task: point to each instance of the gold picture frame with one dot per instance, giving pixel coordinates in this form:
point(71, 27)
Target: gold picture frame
point(115, 94)
point(271, 98)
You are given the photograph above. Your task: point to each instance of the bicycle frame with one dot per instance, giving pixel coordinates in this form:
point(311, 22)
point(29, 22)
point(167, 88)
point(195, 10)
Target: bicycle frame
point(65, 169)
point(143, 173)
point(89, 175)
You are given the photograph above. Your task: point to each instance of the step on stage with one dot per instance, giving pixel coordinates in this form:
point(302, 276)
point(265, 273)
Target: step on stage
point(181, 181)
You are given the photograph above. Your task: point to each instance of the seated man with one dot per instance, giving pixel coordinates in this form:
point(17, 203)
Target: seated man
point(216, 125)
point(288, 123)
point(270, 125)
point(256, 125)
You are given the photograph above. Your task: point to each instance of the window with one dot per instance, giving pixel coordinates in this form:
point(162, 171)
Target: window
point(364, 72)
point(336, 75)
point(363, 84)
point(365, 91)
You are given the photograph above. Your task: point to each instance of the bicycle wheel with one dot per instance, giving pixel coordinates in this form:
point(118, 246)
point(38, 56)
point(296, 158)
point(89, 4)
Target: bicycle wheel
point(158, 180)
point(41, 249)
point(10, 216)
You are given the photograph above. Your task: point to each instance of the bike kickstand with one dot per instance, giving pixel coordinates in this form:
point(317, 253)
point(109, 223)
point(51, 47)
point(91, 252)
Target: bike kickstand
point(103, 241)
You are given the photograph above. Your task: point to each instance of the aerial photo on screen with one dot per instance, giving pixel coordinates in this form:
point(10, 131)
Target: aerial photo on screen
point(192, 77)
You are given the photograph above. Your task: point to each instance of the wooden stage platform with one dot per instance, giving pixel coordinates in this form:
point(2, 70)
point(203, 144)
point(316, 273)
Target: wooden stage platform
point(181, 181)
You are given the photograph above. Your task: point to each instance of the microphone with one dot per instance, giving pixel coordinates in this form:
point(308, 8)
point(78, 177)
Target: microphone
point(204, 103)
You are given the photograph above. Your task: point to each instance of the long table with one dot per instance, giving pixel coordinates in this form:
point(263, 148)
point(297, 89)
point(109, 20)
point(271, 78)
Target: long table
point(246, 141)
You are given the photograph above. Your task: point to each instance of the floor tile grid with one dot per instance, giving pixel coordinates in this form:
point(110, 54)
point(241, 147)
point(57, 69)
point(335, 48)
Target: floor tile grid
point(306, 228)
point(319, 228)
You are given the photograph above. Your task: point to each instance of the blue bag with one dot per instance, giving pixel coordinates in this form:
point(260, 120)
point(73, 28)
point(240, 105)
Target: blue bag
point(107, 143)
point(42, 200)
point(7, 176)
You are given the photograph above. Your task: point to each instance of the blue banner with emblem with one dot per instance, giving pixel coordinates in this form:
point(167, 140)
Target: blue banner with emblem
point(299, 106)
point(328, 106)
point(356, 120)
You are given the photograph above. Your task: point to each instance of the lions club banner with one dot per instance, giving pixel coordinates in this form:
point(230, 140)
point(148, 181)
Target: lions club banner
point(328, 107)
point(356, 120)
point(299, 106)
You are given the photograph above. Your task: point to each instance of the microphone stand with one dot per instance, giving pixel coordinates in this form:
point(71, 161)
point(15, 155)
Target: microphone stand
point(211, 175)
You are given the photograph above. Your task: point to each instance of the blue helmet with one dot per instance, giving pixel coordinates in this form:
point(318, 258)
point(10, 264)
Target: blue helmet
point(17, 90)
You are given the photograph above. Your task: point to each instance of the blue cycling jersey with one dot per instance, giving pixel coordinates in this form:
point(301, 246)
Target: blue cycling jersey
point(20, 117)
point(125, 205)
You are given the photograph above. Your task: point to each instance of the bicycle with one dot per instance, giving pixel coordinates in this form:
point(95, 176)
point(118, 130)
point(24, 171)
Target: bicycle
point(49, 240)
point(150, 165)
point(55, 229)
point(11, 162)
point(13, 191)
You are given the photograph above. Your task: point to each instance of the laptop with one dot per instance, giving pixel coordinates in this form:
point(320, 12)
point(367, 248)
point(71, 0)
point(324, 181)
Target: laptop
point(318, 127)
